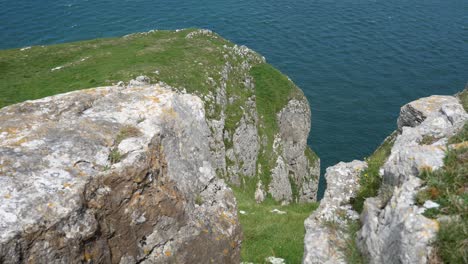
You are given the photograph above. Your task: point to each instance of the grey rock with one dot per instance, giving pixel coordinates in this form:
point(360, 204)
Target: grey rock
point(259, 193)
point(64, 202)
point(396, 231)
point(323, 244)
point(140, 81)
point(292, 164)
point(280, 187)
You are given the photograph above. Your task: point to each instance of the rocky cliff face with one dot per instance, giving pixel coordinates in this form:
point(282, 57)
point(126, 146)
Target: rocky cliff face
point(113, 175)
point(393, 227)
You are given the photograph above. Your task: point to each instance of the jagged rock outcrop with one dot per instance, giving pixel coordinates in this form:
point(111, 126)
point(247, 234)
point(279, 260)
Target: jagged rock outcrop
point(395, 231)
point(292, 165)
point(113, 175)
point(326, 235)
point(236, 150)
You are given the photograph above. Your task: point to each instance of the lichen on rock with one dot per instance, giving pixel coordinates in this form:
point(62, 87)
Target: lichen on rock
point(64, 201)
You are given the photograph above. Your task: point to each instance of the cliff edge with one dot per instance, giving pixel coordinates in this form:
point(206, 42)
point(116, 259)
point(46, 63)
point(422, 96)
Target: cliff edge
point(397, 205)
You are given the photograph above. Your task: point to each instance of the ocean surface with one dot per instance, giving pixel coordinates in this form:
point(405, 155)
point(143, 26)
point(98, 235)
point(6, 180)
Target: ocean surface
point(357, 61)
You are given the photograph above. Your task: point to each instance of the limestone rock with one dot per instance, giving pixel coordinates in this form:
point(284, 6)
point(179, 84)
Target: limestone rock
point(323, 244)
point(399, 233)
point(293, 166)
point(396, 231)
point(259, 193)
point(111, 175)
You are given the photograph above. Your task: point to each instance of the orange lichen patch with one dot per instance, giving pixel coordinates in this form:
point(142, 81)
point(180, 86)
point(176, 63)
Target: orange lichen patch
point(21, 141)
point(87, 257)
point(233, 244)
point(228, 218)
point(154, 99)
point(168, 253)
point(225, 251)
point(67, 185)
point(7, 196)
point(12, 130)
point(425, 168)
point(169, 112)
point(461, 145)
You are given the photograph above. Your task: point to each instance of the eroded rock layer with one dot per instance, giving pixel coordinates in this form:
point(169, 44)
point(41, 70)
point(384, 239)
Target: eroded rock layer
point(113, 175)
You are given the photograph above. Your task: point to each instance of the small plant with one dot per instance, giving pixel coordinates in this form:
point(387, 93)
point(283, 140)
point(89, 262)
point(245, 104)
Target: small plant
point(351, 251)
point(115, 156)
point(199, 199)
point(428, 140)
point(370, 179)
point(127, 131)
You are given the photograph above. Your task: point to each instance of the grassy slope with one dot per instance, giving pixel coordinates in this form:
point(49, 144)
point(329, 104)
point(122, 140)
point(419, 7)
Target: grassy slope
point(267, 234)
point(28, 74)
point(182, 63)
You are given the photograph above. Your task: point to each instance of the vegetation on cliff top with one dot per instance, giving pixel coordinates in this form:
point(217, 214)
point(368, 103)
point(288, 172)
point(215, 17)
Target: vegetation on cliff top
point(196, 64)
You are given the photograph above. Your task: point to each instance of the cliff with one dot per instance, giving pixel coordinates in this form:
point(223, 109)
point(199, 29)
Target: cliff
point(136, 171)
point(402, 204)
point(250, 106)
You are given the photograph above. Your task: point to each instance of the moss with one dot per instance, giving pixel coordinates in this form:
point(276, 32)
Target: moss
point(428, 140)
point(370, 179)
point(125, 132)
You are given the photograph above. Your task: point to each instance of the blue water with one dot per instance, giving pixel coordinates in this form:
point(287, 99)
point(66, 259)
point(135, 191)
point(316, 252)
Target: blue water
point(357, 61)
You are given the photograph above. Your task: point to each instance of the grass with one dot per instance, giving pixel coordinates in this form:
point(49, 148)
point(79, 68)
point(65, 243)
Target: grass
point(273, 90)
point(126, 132)
point(268, 234)
point(448, 187)
point(28, 74)
point(351, 251)
point(463, 96)
point(370, 179)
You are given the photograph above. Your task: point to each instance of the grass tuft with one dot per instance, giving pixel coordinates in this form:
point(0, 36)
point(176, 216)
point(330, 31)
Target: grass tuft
point(370, 179)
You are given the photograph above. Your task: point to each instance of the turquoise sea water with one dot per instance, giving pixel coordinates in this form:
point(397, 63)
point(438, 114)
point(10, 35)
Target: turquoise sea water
point(357, 61)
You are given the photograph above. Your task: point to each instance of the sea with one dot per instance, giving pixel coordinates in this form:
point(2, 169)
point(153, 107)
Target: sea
point(357, 61)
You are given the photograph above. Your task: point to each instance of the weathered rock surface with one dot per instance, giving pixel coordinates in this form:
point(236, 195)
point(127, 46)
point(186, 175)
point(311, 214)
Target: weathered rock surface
point(292, 165)
point(236, 151)
point(395, 231)
point(113, 175)
point(326, 228)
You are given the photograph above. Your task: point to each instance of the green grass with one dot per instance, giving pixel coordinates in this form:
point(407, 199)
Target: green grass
point(267, 234)
point(448, 187)
point(273, 90)
point(28, 74)
point(351, 251)
point(463, 95)
point(370, 179)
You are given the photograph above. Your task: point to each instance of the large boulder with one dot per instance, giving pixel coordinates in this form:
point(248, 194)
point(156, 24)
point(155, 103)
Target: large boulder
point(113, 175)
